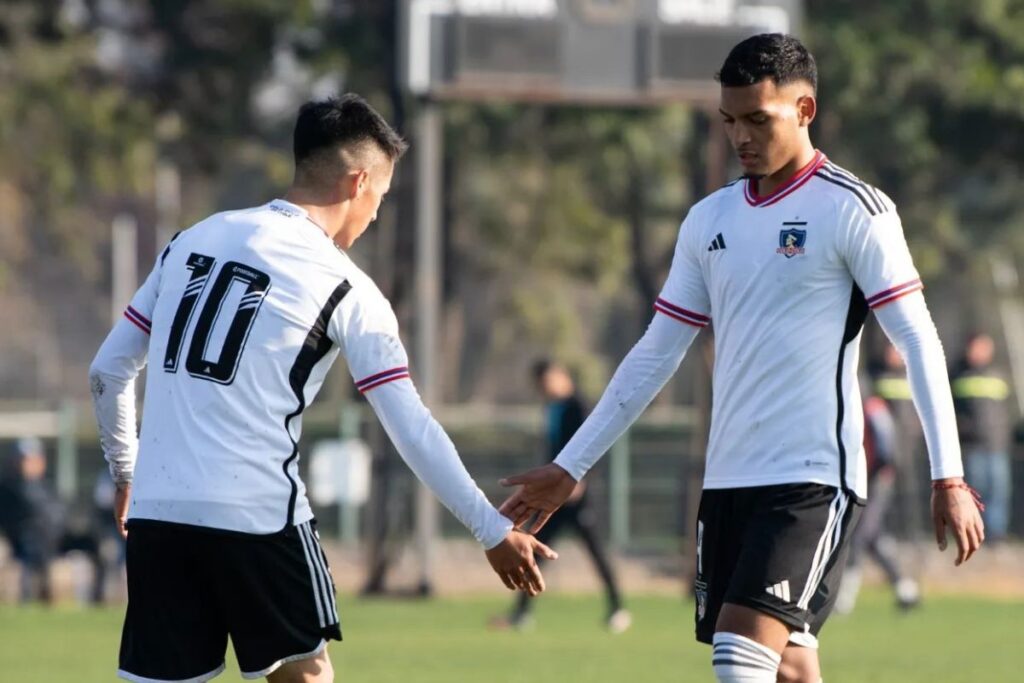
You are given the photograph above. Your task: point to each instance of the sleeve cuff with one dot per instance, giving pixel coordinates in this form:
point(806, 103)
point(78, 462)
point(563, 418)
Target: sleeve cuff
point(948, 471)
point(575, 470)
point(498, 528)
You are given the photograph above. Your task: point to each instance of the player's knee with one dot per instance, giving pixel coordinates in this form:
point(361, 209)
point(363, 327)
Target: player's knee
point(799, 665)
point(738, 659)
point(312, 670)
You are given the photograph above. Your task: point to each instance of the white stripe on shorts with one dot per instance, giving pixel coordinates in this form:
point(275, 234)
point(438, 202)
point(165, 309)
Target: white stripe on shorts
point(827, 546)
point(313, 576)
point(321, 559)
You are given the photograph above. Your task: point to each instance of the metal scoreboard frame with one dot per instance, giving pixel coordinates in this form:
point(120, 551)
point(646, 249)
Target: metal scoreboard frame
point(636, 52)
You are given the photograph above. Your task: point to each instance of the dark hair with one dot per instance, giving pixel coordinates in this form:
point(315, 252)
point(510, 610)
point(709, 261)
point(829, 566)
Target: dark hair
point(775, 56)
point(342, 121)
point(540, 368)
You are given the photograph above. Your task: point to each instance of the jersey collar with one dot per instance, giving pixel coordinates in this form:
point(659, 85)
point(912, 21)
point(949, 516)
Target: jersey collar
point(785, 189)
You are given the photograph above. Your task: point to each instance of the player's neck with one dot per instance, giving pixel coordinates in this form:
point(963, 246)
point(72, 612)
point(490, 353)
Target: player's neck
point(328, 215)
point(769, 183)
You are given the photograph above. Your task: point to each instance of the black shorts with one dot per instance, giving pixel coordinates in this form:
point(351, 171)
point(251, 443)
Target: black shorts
point(189, 588)
point(777, 549)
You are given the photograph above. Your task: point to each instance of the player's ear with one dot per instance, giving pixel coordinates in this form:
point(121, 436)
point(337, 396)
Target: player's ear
point(806, 107)
point(355, 184)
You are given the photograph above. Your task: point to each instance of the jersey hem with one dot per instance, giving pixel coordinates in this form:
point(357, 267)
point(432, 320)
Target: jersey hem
point(752, 482)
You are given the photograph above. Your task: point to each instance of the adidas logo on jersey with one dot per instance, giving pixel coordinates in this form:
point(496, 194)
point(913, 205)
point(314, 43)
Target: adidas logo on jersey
point(779, 590)
point(717, 243)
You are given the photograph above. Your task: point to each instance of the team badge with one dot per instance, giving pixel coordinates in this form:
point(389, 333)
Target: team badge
point(700, 592)
point(791, 242)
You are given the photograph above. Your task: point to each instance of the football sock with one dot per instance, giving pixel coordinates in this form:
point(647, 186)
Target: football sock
point(737, 659)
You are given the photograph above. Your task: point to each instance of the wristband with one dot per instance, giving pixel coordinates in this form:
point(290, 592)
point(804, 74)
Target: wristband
point(944, 486)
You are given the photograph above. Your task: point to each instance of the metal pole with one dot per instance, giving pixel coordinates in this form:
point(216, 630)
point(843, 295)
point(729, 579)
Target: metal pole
point(619, 492)
point(348, 514)
point(67, 456)
point(124, 263)
point(429, 141)
point(168, 203)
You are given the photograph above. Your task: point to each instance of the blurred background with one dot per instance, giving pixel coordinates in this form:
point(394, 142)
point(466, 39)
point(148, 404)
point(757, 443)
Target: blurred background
point(556, 146)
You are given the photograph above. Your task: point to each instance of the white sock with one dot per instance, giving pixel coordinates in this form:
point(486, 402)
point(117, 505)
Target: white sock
point(737, 659)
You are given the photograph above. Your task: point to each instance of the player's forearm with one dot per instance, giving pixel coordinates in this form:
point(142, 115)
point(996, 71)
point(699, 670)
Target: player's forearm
point(909, 326)
point(112, 384)
point(430, 454)
point(639, 378)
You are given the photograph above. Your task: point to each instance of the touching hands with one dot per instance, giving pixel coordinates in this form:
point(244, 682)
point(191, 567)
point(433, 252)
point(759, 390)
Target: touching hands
point(542, 491)
point(955, 507)
point(513, 561)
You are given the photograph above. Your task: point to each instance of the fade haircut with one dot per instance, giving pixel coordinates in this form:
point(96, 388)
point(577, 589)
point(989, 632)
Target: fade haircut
point(346, 124)
point(775, 56)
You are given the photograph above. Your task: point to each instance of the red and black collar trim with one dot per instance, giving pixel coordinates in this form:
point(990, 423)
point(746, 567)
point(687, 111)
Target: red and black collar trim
point(785, 189)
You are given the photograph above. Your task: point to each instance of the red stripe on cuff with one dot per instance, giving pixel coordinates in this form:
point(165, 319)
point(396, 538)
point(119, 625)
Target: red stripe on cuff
point(699, 317)
point(381, 375)
point(135, 322)
point(893, 290)
point(894, 297)
point(680, 318)
point(141, 317)
point(382, 382)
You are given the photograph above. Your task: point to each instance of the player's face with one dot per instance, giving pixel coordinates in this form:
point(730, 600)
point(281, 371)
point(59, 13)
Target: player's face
point(369, 187)
point(767, 124)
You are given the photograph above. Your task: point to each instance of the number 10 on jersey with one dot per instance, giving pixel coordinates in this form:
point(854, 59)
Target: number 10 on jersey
point(197, 361)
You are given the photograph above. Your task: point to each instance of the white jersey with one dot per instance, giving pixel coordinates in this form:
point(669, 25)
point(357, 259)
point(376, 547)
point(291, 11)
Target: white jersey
point(787, 280)
point(247, 310)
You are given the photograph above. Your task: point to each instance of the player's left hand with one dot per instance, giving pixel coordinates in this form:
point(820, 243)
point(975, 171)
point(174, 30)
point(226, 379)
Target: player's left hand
point(122, 496)
point(543, 490)
point(955, 508)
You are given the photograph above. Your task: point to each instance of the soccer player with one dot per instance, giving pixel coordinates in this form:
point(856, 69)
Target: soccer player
point(564, 412)
point(243, 315)
point(787, 261)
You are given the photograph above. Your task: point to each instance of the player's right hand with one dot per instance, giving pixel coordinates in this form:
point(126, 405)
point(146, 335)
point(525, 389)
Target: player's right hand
point(513, 561)
point(954, 507)
point(542, 491)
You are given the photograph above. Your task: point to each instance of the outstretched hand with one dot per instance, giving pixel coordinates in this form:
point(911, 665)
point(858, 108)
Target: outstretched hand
point(956, 509)
point(542, 491)
point(513, 560)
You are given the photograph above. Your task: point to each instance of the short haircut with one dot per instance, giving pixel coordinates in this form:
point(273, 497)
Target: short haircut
point(775, 56)
point(541, 367)
point(342, 122)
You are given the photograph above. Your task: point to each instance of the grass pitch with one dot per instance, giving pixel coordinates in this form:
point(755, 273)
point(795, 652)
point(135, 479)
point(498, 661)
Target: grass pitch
point(948, 640)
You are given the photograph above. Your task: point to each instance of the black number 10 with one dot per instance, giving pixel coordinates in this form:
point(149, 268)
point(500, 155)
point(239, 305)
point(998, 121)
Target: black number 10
point(223, 369)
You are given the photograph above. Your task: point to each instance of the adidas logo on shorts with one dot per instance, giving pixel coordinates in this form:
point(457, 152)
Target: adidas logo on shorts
point(779, 590)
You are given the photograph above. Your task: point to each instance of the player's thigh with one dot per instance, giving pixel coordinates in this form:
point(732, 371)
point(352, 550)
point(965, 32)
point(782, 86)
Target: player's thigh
point(316, 669)
point(721, 520)
point(280, 601)
point(795, 539)
point(174, 628)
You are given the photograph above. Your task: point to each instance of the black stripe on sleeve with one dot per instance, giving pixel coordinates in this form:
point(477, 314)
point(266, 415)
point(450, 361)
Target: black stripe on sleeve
point(859, 193)
point(872, 192)
point(167, 249)
point(855, 317)
point(314, 348)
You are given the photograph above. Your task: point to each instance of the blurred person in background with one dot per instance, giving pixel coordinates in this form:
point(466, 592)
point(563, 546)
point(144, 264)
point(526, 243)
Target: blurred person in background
point(31, 517)
point(981, 393)
point(872, 536)
point(564, 412)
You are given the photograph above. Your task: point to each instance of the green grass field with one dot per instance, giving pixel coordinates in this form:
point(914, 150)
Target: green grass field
point(949, 640)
